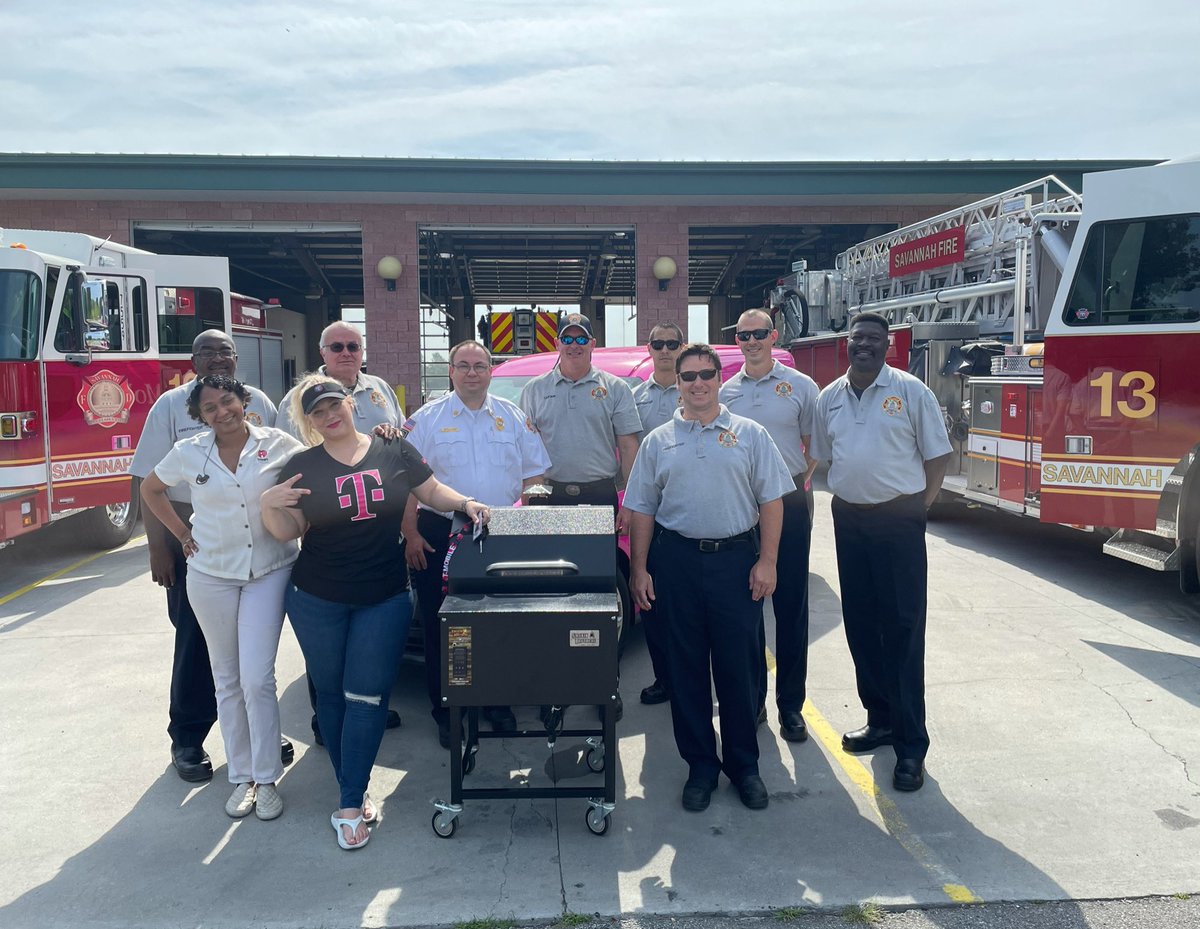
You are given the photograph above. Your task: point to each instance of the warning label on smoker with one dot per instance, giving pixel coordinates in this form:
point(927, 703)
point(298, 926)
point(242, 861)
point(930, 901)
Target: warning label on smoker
point(585, 638)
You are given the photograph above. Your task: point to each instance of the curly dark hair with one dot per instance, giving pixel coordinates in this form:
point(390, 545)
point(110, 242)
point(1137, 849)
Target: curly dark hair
point(217, 382)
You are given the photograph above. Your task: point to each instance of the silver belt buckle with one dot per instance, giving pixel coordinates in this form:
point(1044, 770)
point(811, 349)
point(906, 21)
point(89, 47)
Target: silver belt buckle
point(709, 546)
point(571, 490)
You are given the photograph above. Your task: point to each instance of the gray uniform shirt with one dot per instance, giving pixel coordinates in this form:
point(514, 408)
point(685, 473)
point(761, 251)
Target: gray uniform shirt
point(878, 445)
point(168, 422)
point(579, 422)
point(655, 404)
point(782, 401)
point(707, 482)
point(375, 403)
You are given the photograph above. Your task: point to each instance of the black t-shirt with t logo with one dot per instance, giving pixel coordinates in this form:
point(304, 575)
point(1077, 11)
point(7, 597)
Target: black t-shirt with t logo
point(352, 552)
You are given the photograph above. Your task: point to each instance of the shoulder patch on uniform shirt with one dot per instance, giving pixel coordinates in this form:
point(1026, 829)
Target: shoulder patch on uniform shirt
point(409, 425)
point(254, 419)
point(599, 393)
point(377, 398)
point(726, 439)
point(892, 405)
point(529, 424)
point(784, 389)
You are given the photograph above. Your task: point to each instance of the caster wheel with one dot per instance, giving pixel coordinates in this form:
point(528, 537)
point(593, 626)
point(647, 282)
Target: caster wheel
point(597, 822)
point(444, 827)
point(468, 763)
point(595, 759)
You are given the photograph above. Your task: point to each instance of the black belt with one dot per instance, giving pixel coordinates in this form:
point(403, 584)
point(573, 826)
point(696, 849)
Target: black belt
point(708, 546)
point(576, 488)
point(874, 506)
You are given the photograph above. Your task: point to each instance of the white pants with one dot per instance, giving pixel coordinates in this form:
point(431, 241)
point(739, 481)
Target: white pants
point(241, 622)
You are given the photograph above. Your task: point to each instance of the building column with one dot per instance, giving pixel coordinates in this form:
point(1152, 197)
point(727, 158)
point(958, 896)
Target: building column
point(655, 238)
point(393, 317)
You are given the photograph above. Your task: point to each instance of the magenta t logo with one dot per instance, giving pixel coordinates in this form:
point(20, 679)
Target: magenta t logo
point(359, 497)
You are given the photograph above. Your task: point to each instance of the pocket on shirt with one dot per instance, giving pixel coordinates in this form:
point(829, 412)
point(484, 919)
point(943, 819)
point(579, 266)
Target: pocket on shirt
point(502, 450)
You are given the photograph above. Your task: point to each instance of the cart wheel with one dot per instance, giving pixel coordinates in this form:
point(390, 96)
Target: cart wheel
point(445, 826)
point(597, 822)
point(468, 763)
point(595, 759)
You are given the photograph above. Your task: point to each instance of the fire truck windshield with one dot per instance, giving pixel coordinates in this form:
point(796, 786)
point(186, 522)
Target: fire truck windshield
point(20, 315)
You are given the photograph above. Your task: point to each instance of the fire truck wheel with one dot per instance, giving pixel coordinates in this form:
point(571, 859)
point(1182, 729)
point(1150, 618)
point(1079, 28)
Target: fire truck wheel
point(108, 526)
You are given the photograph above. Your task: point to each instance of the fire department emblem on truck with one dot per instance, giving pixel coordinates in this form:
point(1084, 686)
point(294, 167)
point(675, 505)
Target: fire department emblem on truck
point(105, 399)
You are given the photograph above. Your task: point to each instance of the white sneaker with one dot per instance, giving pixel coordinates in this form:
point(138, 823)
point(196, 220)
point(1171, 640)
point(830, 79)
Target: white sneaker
point(241, 801)
point(269, 804)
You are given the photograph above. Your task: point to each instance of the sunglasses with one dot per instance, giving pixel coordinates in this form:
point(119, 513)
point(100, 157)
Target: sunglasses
point(706, 375)
point(744, 335)
point(207, 354)
point(670, 344)
point(575, 339)
point(338, 347)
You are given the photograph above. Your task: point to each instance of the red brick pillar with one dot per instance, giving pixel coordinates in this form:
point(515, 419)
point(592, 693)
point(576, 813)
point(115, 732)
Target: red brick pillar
point(393, 317)
point(661, 235)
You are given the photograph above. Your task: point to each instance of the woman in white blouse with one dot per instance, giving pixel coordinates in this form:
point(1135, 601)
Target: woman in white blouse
point(237, 573)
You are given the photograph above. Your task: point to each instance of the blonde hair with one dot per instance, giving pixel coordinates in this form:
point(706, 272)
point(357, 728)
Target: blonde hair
point(308, 433)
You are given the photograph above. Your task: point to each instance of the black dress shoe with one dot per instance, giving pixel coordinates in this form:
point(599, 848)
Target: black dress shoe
point(192, 764)
point(287, 751)
point(762, 716)
point(909, 774)
point(753, 792)
point(696, 794)
point(655, 693)
point(318, 738)
point(866, 739)
point(501, 718)
point(791, 726)
point(393, 720)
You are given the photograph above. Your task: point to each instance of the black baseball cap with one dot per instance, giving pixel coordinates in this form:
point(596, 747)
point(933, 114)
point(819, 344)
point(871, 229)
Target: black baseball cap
point(319, 392)
point(575, 319)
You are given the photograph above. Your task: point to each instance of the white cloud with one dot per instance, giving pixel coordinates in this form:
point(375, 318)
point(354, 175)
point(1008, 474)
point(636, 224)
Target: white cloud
point(669, 80)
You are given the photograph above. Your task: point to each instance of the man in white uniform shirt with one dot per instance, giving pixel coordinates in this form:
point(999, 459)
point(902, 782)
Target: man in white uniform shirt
point(884, 435)
point(483, 446)
point(193, 702)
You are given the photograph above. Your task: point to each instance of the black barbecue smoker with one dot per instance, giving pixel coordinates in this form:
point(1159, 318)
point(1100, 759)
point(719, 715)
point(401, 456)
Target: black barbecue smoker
point(531, 618)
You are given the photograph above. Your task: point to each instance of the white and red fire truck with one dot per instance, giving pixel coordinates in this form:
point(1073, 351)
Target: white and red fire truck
point(1061, 333)
point(91, 332)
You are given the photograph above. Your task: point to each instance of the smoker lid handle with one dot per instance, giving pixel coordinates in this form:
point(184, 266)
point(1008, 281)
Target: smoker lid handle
point(566, 567)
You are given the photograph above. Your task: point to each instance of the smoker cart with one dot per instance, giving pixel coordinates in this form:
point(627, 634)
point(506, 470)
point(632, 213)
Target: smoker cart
point(531, 618)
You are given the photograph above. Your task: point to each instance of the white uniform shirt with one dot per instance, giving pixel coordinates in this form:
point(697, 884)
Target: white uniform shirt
point(227, 520)
point(782, 401)
point(707, 481)
point(878, 445)
point(486, 453)
point(168, 422)
point(580, 420)
point(375, 403)
point(655, 404)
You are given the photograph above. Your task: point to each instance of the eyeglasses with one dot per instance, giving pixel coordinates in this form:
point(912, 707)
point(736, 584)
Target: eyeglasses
point(575, 339)
point(462, 367)
point(207, 354)
point(744, 335)
point(337, 347)
point(670, 344)
point(706, 375)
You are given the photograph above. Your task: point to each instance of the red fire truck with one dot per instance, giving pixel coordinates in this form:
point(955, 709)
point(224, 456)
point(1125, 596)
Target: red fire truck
point(1061, 334)
point(91, 332)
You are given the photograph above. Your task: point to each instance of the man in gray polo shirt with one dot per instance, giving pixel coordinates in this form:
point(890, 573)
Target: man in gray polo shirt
point(781, 400)
point(657, 400)
point(884, 435)
point(714, 564)
point(193, 704)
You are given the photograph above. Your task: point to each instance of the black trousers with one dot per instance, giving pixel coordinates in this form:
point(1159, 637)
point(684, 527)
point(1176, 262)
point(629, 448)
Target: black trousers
point(193, 708)
point(655, 626)
point(790, 605)
point(711, 623)
point(883, 571)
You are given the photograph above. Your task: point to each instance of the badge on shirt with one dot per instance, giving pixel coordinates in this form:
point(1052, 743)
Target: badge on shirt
point(262, 454)
point(726, 439)
point(377, 398)
point(448, 429)
point(599, 393)
point(784, 389)
point(499, 423)
point(892, 405)
point(254, 419)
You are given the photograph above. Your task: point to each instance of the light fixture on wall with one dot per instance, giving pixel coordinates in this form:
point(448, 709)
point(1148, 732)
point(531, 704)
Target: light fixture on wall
point(664, 270)
point(389, 268)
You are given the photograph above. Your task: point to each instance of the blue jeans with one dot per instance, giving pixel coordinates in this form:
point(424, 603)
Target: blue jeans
point(352, 651)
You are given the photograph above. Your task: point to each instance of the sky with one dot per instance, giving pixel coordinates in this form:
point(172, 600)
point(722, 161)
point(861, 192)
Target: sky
point(695, 80)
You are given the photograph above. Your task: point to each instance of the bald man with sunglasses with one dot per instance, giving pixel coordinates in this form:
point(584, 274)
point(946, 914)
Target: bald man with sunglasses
point(782, 401)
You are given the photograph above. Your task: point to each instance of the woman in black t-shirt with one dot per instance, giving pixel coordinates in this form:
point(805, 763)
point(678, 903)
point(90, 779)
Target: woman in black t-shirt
point(348, 597)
